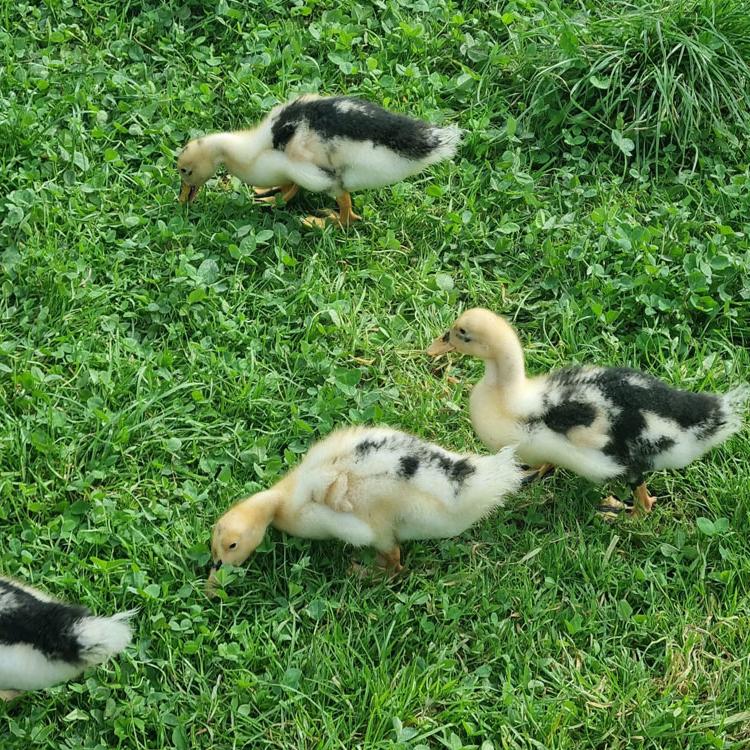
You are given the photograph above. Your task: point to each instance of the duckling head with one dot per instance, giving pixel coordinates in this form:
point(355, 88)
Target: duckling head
point(197, 164)
point(239, 531)
point(481, 333)
point(478, 333)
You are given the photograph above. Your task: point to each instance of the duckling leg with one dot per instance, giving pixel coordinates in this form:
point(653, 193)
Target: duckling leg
point(388, 562)
point(644, 501)
point(391, 560)
point(289, 191)
point(268, 195)
point(344, 218)
point(346, 215)
point(611, 507)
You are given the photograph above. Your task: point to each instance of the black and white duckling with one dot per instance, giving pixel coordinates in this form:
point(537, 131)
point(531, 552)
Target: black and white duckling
point(603, 423)
point(370, 487)
point(332, 145)
point(44, 641)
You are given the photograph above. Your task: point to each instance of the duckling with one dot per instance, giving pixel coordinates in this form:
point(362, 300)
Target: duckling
point(334, 144)
point(370, 486)
point(44, 641)
point(603, 423)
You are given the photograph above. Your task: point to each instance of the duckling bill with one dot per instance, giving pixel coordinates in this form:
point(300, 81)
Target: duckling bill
point(603, 423)
point(370, 487)
point(333, 145)
point(44, 641)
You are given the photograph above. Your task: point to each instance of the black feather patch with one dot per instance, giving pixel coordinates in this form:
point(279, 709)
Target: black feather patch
point(461, 470)
point(569, 414)
point(408, 466)
point(413, 453)
point(46, 626)
point(365, 446)
point(358, 120)
point(457, 470)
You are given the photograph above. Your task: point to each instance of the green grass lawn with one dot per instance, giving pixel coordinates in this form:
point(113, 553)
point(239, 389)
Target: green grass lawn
point(157, 363)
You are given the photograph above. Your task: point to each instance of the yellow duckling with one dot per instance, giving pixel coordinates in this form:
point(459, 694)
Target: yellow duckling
point(600, 422)
point(329, 145)
point(370, 487)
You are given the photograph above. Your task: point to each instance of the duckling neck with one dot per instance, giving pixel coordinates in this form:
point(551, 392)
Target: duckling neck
point(263, 507)
point(237, 150)
point(505, 370)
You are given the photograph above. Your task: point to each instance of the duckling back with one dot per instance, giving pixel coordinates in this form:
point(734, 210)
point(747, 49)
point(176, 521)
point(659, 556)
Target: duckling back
point(426, 491)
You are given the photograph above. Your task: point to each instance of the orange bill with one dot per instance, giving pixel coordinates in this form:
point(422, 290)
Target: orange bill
point(212, 582)
point(441, 345)
point(188, 192)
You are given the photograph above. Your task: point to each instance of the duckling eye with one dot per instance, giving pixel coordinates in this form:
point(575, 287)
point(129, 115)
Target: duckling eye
point(233, 545)
point(463, 335)
point(183, 170)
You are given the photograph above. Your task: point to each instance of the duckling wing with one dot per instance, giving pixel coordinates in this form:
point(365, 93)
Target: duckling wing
point(325, 484)
point(568, 424)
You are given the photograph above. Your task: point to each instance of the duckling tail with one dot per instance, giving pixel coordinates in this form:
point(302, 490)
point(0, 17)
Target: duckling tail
point(738, 398)
point(100, 638)
point(736, 403)
point(447, 140)
point(507, 473)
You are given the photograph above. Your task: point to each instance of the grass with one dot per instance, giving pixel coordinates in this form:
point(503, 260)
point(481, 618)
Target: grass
point(661, 72)
point(158, 363)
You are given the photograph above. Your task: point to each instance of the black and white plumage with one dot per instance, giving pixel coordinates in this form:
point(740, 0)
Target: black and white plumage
point(371, 486)
point(334, 145)
point(603, 423)
point(44, 641)
point(648, 425)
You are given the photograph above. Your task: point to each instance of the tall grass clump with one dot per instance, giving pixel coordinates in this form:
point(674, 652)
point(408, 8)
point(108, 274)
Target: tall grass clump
point(652, 77)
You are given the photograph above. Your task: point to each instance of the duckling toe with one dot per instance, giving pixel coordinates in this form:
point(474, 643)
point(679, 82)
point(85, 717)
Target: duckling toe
point(545, 469)
point(279, 194)
point(265, 192)
point(611, 508)
point(320, 222)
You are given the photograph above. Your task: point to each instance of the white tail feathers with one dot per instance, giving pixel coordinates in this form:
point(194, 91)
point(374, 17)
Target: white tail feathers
point(736, 403)
point(498, 475)
point(508, 469)
point(449, 139)
point(738, 399)
point(100, 638)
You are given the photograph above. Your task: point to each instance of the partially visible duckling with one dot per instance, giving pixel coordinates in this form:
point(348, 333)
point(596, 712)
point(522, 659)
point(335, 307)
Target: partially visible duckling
point(370, 487)
point(323, 144)
point(44, 641)
point(600, 422)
